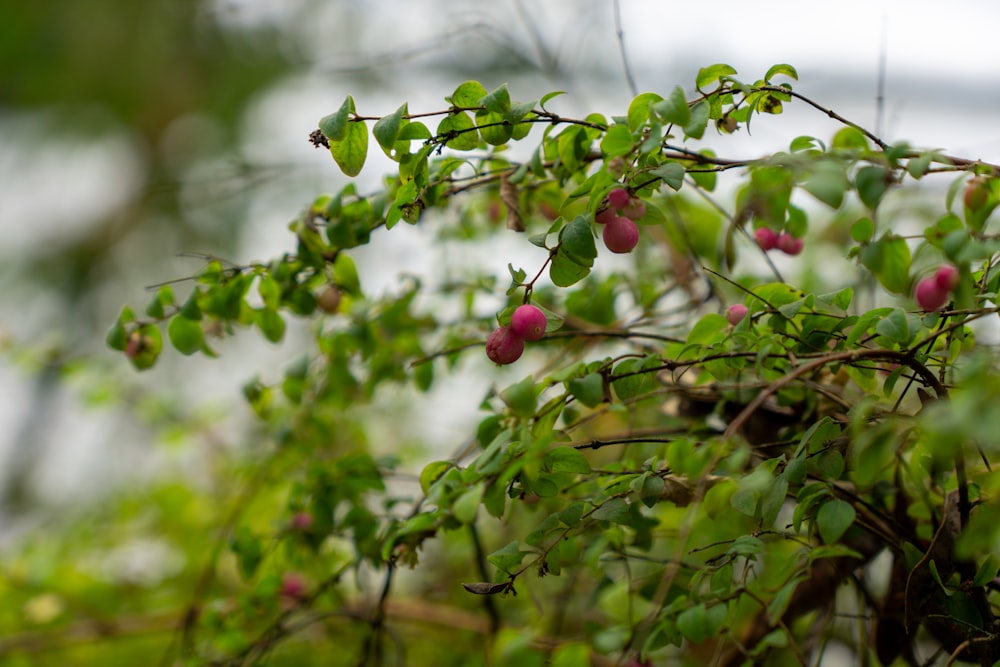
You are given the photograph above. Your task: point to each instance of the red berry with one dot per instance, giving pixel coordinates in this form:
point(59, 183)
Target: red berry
point(504, 346)
point(735, 313)
point(946, 277)
point(618, 198)
point(605, 216)
point(621, 235)
point(293, 586)
point(976, 194)
point(788, 244)
point(528, 322)
point(929, 295)
point(766, 238)
point(302, 521)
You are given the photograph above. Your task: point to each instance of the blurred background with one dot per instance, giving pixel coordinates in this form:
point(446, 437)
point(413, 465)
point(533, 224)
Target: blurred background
point(137, 136)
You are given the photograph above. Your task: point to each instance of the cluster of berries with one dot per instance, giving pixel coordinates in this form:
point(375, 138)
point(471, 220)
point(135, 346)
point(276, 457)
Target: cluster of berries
point(932, 292)
point(506, 344)
point(768, 239)
point(618, 217)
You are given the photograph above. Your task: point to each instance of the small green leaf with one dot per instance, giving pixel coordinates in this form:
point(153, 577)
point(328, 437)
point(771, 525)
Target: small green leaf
point(386, 129)
point(699, 623)
point(334, 126)
point(548, 96)
point(833, 519)
point(351, 151)
point(521, 398)
point(615, 510)
point(494, 129)
point(507, 558)
point(466, 506)
point(566, 459)
point(863, 230)
point(638, 109)
point(672, 174)
point(775, 70)
point(895, 327)
point(695, 128)
point(675, 108)
point(185, 335)
point(468, 94)
point(431, 473)
point(828, 183)
point(462, 131)
point(589, 389)
point(889, 259)
point(712, 74)
point(617, 141)
point(498, 101)
point(270, 324)
point(871, 182)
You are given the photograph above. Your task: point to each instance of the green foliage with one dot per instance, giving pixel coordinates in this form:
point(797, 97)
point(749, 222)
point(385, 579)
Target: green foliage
point(660, 485)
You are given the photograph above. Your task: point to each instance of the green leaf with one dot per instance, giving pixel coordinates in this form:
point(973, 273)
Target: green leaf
point(833, 519)
point(863, 230)
point(566, 459)
point(386, 129)
point(468, 94)
point(351, 151)
point(617, 141)
point(431, 473)
point(461, 129)
point(889, 259)
point(638, 109)
point(466, 506)
point(548, 96)
point(589, 389)
point(498, 101)
point(508, 558)
point(164, 297)
point(872, 182)
point(575, 254)
point(695, 128)
point(185, 335)
point(699, 623)
point(895, 327)
point(828, 183)
point(615, 510)
point(775, 70)
point(672, 174)
point(270, 324)
point(712, 74)
point(521, 398)
point(494, 129)
point(675, 108)
point(334, 126)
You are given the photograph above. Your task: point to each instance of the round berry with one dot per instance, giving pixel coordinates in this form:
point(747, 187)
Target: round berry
point(605, 216)
point(504, 346)
point(946, 277)
point(301, 521)
point(735, 313)
point(929, 294)
point(975, 194)
point(766, 238)
point(528, 322)
point(788, 244)
point(329, 299)
point(293, 586)
point(621, 235)
point(618, 198)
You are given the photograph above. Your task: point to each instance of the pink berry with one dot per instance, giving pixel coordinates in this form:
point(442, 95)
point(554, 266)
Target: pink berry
point(929, 294)
point(766, 238)
point(618, 198)
point(605, 216)
point(946, 277)
point(504, 346)
point(788, 244)
point(621, 235)
point(293, 586)
point(302, 521)
point(635, 210)
point(735, 313)
point(528, 322)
